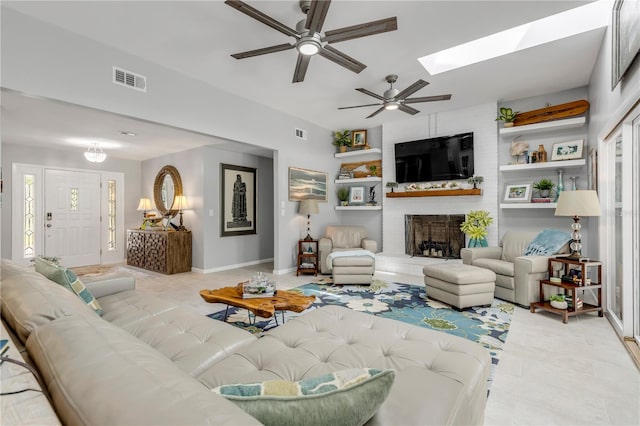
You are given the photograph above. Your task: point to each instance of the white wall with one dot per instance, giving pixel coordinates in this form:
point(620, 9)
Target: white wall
point(479, 120)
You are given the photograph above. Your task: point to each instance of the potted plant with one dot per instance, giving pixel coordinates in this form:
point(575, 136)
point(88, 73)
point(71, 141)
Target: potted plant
point(558, 301)
point(544, 186)
point(343, 195)
point(475, 180)
point(475, 227)
point(374, 170)
point(392, 185)
point(342, 139)
point(508, 116)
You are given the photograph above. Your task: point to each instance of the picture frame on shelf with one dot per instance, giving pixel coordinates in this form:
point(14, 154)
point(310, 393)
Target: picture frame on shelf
point(356, 196)
point(307, 184)
point(518, 193)
point(625, 42)
point(359, 138)
point(570, 150)
point(238, 200)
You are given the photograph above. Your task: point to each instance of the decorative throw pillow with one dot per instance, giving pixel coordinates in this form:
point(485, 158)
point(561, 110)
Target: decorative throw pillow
point(68, 279)
point(547, 242)
point(346, 397)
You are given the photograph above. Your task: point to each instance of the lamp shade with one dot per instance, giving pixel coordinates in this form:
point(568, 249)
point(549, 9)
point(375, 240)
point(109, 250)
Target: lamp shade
point(578, 203)
point(144, 205)
point(180, 203)
point(308, 207)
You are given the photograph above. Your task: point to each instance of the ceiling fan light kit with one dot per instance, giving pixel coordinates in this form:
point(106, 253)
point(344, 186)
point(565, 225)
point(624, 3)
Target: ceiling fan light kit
point(393, 98)
point(95, 154)
point(309, 38)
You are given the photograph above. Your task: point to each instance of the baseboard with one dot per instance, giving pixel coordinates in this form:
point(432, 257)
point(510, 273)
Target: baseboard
point(234, 266)
point(284, 271)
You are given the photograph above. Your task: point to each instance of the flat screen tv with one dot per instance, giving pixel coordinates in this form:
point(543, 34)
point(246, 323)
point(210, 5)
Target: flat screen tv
point(435, 159)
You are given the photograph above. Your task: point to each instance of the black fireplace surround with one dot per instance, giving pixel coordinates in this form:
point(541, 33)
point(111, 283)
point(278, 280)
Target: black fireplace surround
point(436, 236)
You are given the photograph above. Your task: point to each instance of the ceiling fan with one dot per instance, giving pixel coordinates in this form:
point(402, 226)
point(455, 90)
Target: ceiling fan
point(394, 99)
point(309, 39)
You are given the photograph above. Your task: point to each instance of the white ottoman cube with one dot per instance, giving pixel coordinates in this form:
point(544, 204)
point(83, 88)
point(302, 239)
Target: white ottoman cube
point(459, 285)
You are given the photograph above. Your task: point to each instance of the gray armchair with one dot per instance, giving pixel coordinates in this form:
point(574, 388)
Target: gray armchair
point(354, 267)
point(517, 276)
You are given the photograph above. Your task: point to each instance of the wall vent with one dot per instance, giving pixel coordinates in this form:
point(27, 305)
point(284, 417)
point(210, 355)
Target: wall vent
point(301, 134)
point(129, 79)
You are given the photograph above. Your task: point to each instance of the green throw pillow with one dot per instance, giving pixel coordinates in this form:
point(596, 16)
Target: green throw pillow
point(68, 279)
point(346, 397)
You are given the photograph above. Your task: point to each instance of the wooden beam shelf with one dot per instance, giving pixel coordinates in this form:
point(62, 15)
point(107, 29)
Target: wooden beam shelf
point(435, 193)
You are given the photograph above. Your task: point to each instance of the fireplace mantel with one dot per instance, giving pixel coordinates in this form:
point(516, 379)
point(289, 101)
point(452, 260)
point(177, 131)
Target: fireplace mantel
point(435, 193)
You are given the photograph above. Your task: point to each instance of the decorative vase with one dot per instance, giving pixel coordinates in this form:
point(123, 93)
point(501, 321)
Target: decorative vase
point(343, 148)
point(544, 193)
point(559, 305)
point(478, 242)
point(560, 186)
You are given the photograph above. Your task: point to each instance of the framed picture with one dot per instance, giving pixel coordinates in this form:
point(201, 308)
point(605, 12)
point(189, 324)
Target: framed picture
point(625, 40)
point(567, 150)
point(307, 185)
point(356, 196)
point(518, 193)
point(359, 138)
point(238, 200)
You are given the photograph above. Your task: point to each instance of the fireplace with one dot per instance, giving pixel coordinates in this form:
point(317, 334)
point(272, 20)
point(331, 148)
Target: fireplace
point(433, 235)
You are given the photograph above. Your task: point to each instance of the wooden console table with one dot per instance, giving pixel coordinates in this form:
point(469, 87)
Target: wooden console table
point(167, 252)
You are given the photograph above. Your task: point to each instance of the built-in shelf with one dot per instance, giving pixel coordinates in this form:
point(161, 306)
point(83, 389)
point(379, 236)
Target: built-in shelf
point(378, 207)
point(568, 123)
point(566, 164)
point(357, 152)
point(435, 193)
point(360, 180)
point(528, 205)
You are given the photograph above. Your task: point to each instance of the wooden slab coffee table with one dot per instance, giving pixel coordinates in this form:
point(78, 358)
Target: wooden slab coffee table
point(264, 307)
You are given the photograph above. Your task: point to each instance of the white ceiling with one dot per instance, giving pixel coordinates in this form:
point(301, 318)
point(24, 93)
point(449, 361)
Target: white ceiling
point(197, 38)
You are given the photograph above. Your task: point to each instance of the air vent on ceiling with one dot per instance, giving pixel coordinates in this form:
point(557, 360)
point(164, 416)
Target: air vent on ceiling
point(129, 79)
point(301, 134)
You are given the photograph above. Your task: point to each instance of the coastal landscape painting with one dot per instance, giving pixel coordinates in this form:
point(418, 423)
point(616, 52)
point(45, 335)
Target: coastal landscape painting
point(307, 185)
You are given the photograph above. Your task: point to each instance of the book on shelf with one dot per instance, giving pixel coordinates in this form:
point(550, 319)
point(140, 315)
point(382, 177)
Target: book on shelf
point(541, 200)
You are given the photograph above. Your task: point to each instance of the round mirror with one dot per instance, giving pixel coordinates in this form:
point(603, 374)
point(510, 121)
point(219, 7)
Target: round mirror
point(166, 187)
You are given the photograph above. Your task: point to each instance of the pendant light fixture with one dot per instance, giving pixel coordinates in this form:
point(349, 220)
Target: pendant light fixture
point(95, 154)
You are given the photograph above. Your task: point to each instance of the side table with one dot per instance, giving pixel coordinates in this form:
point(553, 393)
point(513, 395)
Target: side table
point(572, 288)
point(307, 257)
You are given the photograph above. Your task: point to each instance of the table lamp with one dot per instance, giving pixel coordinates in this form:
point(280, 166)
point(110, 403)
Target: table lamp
point(143, 206)
point(576, 204)
point(180, 204)
point(308, 207)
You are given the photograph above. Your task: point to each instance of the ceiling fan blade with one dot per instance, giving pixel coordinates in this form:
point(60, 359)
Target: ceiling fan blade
point(408, 109)
point(411, 89)
point(378, 111)
point(301, 68)
point(428, 99)
point(358, 106)
point(259, 16)
point(263, 51)
point(341, 59)
point(361, 30)
point(370, 93)
point(316, 15)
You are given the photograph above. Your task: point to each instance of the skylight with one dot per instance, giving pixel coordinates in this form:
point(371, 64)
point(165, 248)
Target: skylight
point(566, 24)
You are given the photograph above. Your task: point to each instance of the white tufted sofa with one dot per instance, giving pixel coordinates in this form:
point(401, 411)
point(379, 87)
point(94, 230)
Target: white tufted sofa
point(148, 360)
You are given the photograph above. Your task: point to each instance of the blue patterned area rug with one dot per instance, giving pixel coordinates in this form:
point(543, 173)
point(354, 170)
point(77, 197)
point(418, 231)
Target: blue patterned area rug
point(401, 302)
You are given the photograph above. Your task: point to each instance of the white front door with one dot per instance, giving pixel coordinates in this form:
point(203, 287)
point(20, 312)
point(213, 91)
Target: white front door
point(72, 217)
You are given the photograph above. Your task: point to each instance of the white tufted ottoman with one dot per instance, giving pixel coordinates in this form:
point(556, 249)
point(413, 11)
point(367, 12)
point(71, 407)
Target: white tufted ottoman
point(459, 285)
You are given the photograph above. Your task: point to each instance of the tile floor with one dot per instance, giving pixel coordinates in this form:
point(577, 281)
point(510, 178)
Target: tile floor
point(549, 373)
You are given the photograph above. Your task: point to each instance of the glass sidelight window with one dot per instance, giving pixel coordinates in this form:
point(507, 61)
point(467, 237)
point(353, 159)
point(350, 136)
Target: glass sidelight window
point(111, 208)
point(29, 216)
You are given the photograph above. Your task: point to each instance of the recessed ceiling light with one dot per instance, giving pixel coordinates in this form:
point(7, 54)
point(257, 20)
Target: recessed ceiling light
point(124, 132)
point(562, 25)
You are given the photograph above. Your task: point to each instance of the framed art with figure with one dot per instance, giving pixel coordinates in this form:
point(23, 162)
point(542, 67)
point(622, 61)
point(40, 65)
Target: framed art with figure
point(238, 200)
point(356, 196)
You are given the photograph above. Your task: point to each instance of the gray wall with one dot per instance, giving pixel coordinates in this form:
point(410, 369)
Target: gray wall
point(12, 153)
